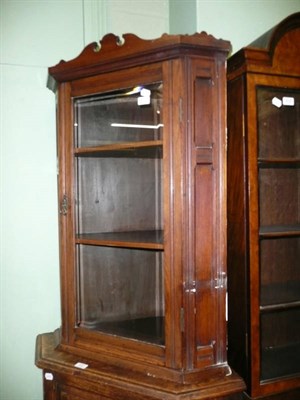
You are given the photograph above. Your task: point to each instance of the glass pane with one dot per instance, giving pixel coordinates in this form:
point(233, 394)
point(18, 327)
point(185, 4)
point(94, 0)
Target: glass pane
point(279, 230)
point(278, 123)
point(279, 197)
point(130, 115)
point(119, 219)
point(118, 195)
point(280, 344)
point(121, 292)
point(279, 270)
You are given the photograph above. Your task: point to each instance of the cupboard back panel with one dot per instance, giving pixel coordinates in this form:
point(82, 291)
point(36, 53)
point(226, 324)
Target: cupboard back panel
point(118, 285)
point(280, 344)
point(279, 196)
point(119, 194)
point(280, 328)
point(279, 270)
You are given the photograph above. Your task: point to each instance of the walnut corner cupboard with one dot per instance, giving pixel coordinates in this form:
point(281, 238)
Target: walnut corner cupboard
point(264, 212)
point(142, 193)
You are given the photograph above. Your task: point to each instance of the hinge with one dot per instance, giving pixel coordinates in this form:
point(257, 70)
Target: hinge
point(221, 281)
point(190, 287)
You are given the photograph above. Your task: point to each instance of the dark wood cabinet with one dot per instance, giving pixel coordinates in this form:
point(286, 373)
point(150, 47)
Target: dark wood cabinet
point(264, 211)
point(142, 193)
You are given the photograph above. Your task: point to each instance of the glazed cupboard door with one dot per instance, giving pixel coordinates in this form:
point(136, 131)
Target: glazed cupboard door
point(113, 220)
point(118, 208)
point(279, 230)
point(264, 232)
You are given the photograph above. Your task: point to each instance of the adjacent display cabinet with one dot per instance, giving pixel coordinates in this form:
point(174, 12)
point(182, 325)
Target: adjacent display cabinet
point(142, 193)
point(264, 212)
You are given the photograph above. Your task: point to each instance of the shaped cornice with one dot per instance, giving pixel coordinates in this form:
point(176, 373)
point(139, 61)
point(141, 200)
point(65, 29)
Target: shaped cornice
point(114, 52)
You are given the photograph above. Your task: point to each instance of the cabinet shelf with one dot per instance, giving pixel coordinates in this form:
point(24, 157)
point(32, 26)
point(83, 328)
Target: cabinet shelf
point(280, 296)
point(278, 162)
point(280, 307)
point(150, 329)
point(145, 149)
point(279, 231)
point(135, 239)
point(280, 361)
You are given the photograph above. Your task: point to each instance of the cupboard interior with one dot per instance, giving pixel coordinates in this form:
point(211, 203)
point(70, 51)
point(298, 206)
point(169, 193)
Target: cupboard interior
point(279, 230)
point(119, 213)
point(121, 292)
point(280, 344)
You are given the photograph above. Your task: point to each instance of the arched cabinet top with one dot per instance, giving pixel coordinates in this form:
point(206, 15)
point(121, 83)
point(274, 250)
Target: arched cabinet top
point(277, 51)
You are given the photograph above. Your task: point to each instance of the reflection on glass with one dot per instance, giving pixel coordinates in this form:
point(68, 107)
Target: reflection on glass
point(122, 116)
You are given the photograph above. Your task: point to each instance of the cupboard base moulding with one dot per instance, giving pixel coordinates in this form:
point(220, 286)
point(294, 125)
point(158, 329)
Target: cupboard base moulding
point(67, 376)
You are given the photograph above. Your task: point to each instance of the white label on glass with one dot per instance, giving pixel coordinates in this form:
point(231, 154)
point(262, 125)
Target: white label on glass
point(81, 365)
point(48, 376)
point(276, 102)
point(143, 100)
point(145, 92)
point(288, 101)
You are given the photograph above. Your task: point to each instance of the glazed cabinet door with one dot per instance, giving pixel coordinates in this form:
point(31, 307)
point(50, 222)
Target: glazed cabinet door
point(112, 211)
point(118, 209)
point(274, 177)
point(279, 230)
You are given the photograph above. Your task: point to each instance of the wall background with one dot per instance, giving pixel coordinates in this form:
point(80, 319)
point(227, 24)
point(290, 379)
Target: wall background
point(36, 34)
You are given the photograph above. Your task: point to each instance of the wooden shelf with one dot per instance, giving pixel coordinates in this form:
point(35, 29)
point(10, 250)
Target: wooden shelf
point(145, 149)
point(280, 296)
point(280, 361)
point(152, 240)
point(279, 231)
point(280, 307)
point(149, 329)
point(278, 162)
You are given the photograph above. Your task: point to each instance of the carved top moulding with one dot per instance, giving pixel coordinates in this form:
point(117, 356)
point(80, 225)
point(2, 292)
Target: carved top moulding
point(114, 52)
